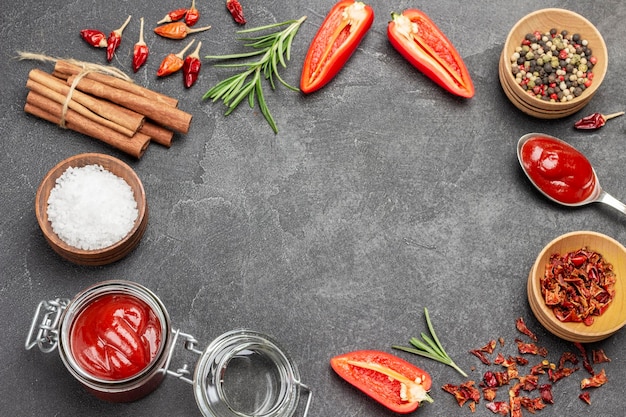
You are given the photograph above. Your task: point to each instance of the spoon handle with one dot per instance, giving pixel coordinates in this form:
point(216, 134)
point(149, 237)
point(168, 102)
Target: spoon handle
point(606, 198)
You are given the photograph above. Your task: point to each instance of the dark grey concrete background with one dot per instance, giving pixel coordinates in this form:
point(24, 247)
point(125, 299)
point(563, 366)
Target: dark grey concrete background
point(381, 195)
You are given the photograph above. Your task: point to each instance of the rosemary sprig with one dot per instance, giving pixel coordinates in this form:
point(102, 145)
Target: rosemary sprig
point(430, 347)
point(273, 48)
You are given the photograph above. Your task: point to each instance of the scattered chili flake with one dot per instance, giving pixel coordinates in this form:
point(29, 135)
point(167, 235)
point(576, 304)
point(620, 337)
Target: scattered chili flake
point(578, 286)
point(599, 356)
point(585, 397)
point(521, 326)
point(498, 407)
point(545, 390)
point(463, 393)
point(583, 353)
point(595, 381)
point(530, 348)
point(489, 393)
point(560, 373)
point(532, 404)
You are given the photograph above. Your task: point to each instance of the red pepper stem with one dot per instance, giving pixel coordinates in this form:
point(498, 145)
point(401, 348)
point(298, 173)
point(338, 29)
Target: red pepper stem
point(121, 29)
point(612, 115)
point(141, 40)
point(198, 29)
point(181, 54)
point(196, 52)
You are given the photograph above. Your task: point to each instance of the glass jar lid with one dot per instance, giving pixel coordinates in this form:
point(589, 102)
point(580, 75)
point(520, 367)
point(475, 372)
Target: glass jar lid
point(244, 373)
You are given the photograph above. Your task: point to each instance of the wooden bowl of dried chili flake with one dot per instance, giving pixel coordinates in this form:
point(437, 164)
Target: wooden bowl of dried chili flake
point(552, 63)
point(577, 286)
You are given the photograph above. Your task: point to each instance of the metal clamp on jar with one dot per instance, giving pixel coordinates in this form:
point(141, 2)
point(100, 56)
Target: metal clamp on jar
point(116, 339)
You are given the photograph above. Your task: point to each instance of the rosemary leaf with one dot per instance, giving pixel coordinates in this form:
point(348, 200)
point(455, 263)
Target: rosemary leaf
point(430, 347)
point(273, 49)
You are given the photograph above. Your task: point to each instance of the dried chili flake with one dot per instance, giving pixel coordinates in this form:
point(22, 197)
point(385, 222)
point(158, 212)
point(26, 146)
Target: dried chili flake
point(568, 357)
point(583, 353)
point(495, 379)
point(545, 391)
point(489, 394)
point(532, 404)
point(585, 397)
point(558, 374)
point(578, 286)
point(516, 407)
point(531, 348)
point(529, 382)
point(595, 381)
point(498, 407)
point(236, 11)
point(599, 356)
point(463, 393)
point(521, 326)
point(481, 355)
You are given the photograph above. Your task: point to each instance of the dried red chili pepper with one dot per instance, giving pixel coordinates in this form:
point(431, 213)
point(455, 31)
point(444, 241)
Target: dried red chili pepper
point(173, 62)
point(191, 67)
point(595, 120)
point(424, 45)
point(340, 34)
point(114, 40)
point(521, 326)
point(532, 404)
point(583, 353)
point(530, 348)
point(94, 37)
point(173, 16)
point(595, 381)
point(193, 14)
point(393, 382)
point(177, 30)
point(481, 355)
point(236, 11)
point(140, 51)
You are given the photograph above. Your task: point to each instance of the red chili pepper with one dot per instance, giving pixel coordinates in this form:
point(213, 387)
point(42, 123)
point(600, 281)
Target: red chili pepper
point(336, 40)
point(393, 382)
point(114, 40)
point(236, 11)
point(140, 53)
point(193, 14)
point(173, 62)
point(424, 45)
point(173, 16)
point(177, 30)
point(595, 121)
point(191, 67)
point(94, 37)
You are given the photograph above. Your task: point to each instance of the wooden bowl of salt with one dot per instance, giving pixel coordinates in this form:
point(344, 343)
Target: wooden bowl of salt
point(92, 209)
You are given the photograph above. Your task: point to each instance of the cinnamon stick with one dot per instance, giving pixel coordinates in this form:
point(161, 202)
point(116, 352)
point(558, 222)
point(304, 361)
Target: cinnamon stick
point(77, 107)
point(132, 121)
point(64, 67)
point(158, 134)
point(49, 110)
point(170, 117)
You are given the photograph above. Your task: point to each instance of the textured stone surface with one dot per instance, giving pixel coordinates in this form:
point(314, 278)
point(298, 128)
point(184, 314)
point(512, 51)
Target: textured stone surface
point(380, 195)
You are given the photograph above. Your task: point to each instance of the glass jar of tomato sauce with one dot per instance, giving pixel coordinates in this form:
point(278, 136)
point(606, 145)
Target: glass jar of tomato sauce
point(117, 340)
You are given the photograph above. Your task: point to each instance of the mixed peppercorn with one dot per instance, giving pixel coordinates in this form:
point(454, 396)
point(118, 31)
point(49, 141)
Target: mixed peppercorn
point(553, 66)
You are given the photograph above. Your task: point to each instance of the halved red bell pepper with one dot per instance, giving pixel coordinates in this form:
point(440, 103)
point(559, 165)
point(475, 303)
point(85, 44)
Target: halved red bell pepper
point(422, 43)
point(336, 40)
point(393, 382)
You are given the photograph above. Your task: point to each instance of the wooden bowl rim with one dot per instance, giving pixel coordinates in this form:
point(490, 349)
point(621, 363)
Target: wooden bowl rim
point(599, 70)
point(82, 255)
point(579, 332)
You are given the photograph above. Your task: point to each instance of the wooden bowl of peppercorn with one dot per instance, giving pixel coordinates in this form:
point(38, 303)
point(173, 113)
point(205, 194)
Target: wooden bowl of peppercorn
point(98, 211)
point(580, 276)
point(552, 63)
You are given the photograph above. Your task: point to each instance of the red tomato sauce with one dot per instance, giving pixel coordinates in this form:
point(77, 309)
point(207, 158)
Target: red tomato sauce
point(558, 169)
point(115, 337)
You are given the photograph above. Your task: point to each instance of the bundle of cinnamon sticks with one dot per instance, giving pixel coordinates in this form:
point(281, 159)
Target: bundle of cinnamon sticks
point(116, 111)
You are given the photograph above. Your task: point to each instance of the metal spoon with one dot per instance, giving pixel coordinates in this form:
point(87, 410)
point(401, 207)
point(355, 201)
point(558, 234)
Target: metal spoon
point(598, 195)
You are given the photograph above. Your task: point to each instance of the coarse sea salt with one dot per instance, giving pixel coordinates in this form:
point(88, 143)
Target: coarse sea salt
point(91, 208)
